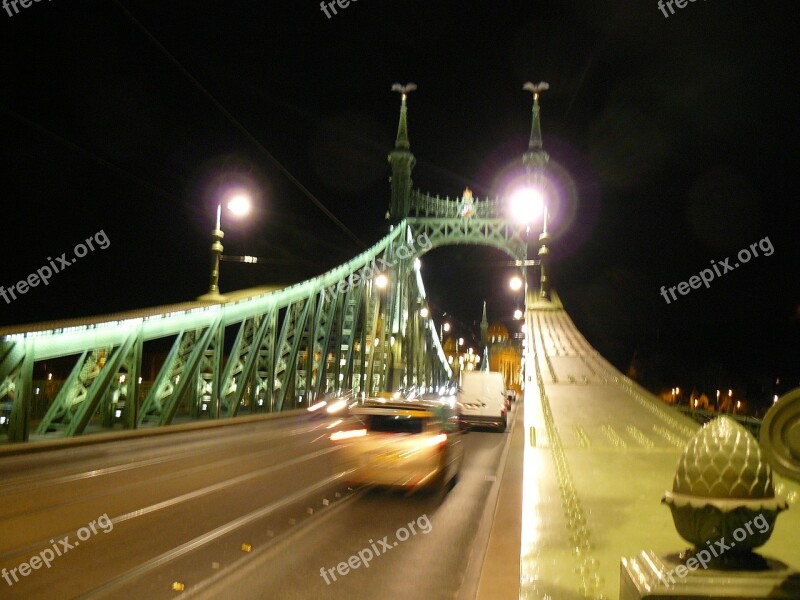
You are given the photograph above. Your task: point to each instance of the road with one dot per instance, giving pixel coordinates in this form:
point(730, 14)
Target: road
point(251, 510)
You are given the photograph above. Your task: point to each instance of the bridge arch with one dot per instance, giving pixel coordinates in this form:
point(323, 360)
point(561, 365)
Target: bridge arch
point(495, 233)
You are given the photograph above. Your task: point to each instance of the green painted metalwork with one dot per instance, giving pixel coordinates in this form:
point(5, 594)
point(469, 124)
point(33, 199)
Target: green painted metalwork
point(337, 331)
point(331, 332)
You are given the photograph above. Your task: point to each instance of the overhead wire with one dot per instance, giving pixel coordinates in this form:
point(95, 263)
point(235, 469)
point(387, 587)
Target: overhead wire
point(239, 126)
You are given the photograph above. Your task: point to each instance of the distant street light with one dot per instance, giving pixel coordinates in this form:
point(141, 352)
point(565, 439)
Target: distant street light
point(443, 328)
point(517, 314)
point(381, 281)
point(515, 283)
point(423, 312)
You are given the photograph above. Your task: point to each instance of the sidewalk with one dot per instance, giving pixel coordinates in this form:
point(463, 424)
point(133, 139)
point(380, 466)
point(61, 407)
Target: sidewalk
point(499, 578)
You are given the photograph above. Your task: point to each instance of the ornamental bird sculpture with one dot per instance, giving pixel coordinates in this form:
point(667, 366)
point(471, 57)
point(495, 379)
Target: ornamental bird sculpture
point(404, 89)
point(536, 88)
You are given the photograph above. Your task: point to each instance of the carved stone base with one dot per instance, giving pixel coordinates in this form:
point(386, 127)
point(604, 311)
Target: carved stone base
point(654, 577)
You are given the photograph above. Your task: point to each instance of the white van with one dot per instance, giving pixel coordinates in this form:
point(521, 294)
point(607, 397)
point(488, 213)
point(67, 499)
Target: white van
point(482, 400)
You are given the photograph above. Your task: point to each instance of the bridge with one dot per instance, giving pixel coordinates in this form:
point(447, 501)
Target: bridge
point(211, 477)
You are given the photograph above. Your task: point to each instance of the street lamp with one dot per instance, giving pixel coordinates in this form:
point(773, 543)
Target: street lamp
point(443, 328)
point(526, 204)
point(515, 283)
point(423, 312)
point(517, 314)
point(238, 205)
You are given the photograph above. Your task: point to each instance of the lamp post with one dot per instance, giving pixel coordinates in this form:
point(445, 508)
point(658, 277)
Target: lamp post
point(239, 205)
point(443, 328)
point(544, 290)
point(526, 204)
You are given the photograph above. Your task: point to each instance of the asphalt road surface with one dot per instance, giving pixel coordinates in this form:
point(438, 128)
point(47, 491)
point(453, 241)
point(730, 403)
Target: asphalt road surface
point(248, 511)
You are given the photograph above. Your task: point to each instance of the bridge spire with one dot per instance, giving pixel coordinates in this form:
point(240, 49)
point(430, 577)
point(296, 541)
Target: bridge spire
point(484, 325)
point(401, 159)
point(535, 157)
point(401, 142)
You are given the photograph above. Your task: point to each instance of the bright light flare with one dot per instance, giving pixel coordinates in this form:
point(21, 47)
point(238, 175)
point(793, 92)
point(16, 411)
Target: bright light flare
point(239, 205)
point(317, 406)
point(424, 312)
point(527, 204)
point(349, 434)
point(515, 283)
point(381, 281)
point(517, 314)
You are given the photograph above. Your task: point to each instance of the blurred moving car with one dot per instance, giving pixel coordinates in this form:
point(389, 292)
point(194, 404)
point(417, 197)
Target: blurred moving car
point(406, 444)
point(482, 400)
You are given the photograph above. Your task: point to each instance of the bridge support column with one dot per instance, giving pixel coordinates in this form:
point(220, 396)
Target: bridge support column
point(396, 365)
point(19, 429)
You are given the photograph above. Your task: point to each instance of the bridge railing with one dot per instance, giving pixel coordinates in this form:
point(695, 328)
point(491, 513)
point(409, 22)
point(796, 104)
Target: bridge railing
point(752, 424)
point(424, 205)
point(266, 350)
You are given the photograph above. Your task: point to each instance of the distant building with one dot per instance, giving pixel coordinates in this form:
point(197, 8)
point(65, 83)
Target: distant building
point(505, 351)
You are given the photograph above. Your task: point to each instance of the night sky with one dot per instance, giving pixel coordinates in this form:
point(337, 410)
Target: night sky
point(677, 137)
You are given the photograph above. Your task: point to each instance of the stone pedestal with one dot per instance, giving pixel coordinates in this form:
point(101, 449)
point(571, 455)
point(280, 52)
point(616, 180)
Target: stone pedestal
point(654, 577)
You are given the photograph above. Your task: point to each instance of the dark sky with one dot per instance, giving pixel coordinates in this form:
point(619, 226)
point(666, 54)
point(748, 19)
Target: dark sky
point(679, 135)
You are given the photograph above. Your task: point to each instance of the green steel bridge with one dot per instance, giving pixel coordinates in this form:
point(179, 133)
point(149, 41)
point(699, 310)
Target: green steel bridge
point(590, 453)
point(287, 347)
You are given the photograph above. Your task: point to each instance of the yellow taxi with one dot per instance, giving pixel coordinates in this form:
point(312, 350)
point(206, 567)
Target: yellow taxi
point(410, 444)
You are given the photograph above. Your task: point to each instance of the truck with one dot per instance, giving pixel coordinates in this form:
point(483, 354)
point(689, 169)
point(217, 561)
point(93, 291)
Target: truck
point(481, 400)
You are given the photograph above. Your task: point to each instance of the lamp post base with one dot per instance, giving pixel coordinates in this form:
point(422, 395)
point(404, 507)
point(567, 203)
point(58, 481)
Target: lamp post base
point(212, 297)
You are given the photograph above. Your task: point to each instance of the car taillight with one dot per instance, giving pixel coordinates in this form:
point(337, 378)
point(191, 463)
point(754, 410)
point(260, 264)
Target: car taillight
point(437, 441)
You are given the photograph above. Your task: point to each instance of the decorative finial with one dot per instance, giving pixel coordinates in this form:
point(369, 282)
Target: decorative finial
point(401, 143)
point(721, 482)
point(404, 90)
point(535, 158)
point(536, 88)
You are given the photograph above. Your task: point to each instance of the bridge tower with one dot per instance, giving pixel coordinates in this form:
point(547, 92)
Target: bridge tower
point(402, 160)
point(535, 162)
point(484, 326)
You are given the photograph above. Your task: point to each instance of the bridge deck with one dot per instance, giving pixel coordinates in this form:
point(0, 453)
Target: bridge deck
point(605, 450)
